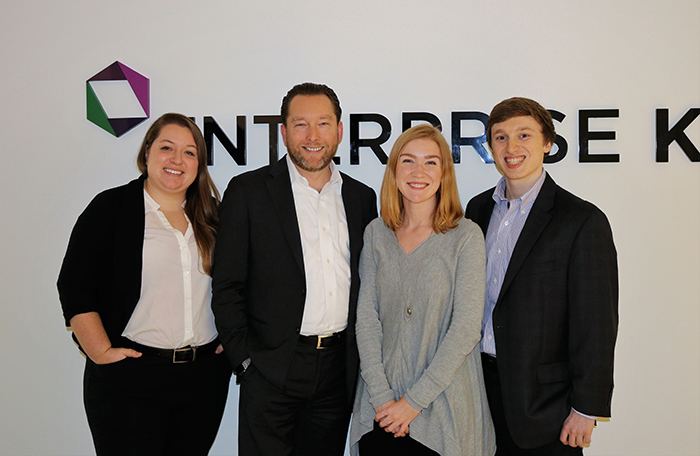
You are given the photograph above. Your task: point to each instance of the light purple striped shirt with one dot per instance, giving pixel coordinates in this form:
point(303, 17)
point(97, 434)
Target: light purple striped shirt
point(507, 221)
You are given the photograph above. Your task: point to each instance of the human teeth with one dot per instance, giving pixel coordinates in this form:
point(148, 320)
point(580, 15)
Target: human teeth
point(313, 149)
point(172, 171)
point(514, 160)
point(413, 185)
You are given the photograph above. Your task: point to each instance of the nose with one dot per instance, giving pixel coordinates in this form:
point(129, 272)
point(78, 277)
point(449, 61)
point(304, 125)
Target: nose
point(312, 133)
point(512, 146)
point(176, 157)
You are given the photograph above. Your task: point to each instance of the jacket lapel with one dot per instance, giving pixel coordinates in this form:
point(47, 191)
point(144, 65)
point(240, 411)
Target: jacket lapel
point(353, 214)
point(536, 222)
point(279, 187)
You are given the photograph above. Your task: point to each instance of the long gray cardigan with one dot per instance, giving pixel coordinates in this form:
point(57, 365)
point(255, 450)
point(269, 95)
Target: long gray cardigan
point(418, 328)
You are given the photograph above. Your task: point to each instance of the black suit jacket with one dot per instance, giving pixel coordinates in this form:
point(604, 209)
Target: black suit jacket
point(259, 285)
point(101, 271)
point(556, 317)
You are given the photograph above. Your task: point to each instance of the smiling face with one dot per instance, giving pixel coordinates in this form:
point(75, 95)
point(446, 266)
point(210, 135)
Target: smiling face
point(518, 148)
point(311, 132)
point(171, 162)
point(419, 172)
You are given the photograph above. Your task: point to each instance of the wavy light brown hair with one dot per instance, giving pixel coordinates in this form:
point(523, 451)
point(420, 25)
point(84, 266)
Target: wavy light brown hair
point(202, 196)
point(448, 211)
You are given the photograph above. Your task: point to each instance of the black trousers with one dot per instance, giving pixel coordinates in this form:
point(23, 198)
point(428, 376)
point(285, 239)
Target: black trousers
point(309, 416)
point(149, 406)
point(505, 446)
point(378, 442)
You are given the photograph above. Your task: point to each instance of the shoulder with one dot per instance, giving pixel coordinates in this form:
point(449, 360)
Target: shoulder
point(478, 201)
point(466, 232)
point(566, 204)
point(115, 197)
point(357, 186)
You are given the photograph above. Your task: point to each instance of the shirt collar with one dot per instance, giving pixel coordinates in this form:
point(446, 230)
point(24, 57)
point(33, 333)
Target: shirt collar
point(152, 205)
point(499, 194)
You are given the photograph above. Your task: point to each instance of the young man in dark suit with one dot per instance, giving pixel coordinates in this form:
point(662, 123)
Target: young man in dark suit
point(551, 312)
point(285, 285)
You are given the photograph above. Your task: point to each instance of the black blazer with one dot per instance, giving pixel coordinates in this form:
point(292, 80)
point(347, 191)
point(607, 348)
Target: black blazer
point(556, 317)
point(101, 271)
point(259, 285)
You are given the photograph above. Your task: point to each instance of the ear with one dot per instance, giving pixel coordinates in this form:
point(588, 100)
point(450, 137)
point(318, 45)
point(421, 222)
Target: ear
point(547, 148)
point(340, 131)
point(283, 129)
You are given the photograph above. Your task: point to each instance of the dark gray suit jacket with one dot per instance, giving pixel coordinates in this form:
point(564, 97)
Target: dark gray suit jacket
point(556, 317)
point(259, 285)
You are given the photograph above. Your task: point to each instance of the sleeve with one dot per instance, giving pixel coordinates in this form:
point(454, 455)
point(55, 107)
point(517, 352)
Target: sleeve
point(464, 331)
point(369, 328)
point(593, 315)
point(230, 273)
point(86, 259)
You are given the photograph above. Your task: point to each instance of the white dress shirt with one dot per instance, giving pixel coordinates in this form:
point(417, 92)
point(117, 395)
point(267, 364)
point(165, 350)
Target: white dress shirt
point(174, 309)
point(326, 248)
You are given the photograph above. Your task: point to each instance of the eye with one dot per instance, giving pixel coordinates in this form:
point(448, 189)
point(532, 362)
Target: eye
point(525, 135)
point(165, 148)
point(500, 137)
point(191, 152)
point(431, 162)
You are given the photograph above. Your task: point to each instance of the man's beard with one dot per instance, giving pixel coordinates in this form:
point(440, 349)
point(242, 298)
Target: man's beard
point(298, 159)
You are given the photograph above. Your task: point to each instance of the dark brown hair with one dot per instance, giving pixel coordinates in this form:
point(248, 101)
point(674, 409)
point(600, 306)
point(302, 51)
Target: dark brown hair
point(309, 88)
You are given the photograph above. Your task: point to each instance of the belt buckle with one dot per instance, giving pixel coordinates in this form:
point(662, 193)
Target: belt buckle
point(184, 350)
point(320, 338)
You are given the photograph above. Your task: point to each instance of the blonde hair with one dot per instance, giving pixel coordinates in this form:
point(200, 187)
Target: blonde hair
point(448, 210)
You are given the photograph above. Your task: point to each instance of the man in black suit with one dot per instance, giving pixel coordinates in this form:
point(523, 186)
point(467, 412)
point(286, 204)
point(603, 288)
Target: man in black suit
point(550, 316)
point(285, 285)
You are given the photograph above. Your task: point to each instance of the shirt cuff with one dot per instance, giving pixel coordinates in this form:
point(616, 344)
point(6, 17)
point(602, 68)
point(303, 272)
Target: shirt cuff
point(583, 414)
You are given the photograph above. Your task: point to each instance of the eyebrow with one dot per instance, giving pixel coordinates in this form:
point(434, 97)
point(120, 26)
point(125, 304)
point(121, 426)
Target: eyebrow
point(426, 156)
point(171, 142)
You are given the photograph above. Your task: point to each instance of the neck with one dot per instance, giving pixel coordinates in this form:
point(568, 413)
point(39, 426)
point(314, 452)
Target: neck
point(416, 215)
point(517, 188)
point(166, 201)
point(316, 179)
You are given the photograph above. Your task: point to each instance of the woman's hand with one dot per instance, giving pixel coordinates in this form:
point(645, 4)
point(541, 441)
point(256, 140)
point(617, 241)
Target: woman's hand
point(93, 339)
point(396, 416)
point(112, 355)
point(219, 349)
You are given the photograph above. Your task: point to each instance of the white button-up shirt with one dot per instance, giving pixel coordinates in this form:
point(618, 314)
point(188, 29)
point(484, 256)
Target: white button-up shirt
point(175, 305)
point(326, 248)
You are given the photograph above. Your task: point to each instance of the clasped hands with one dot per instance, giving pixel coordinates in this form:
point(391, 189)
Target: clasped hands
point(395, 416)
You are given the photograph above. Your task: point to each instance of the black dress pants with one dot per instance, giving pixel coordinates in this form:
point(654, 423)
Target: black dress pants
point(505, 446)
point(149, 406)
point(309, 416)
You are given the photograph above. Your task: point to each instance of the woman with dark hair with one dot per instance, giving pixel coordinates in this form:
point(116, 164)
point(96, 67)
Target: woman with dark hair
point(421, 390)
point(135, 288)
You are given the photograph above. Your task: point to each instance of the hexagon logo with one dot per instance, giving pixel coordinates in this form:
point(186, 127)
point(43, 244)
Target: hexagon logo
point(96, 113)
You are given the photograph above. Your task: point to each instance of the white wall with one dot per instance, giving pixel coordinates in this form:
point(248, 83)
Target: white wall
point(224, 58)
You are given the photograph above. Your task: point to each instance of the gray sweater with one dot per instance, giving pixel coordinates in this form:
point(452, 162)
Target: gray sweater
point(418, 329)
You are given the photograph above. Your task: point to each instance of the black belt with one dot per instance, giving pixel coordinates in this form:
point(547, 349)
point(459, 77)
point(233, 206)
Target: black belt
point(323, 341)
point(178, 355)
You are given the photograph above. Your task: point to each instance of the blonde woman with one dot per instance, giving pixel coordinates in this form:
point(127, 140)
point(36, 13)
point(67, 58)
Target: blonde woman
point(419, 313)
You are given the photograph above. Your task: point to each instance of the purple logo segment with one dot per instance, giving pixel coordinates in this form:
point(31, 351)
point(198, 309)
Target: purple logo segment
point(138, 83)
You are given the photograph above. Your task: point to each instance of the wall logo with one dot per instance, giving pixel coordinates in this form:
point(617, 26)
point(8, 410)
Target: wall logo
point(96, 112)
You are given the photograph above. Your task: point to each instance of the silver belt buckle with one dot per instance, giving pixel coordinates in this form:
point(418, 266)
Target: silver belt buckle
point(184, 350)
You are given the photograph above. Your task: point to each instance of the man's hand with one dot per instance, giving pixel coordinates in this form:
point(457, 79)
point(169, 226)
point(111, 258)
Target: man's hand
point(577, 430)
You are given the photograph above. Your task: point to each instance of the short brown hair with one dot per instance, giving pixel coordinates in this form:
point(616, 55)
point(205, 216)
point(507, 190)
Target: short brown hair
point(202, 196)
point(309, 88)
point(449, 210)
point(518, 106)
